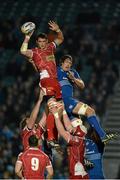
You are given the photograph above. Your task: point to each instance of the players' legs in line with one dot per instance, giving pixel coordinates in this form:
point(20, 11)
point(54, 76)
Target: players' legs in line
point(73, 106)
point(84, 109)
point(53, 94)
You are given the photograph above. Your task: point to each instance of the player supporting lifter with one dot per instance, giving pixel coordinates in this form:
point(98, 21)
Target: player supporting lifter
point(29, 126)
point(75, 138)
point(43, 59)
point(68, 77)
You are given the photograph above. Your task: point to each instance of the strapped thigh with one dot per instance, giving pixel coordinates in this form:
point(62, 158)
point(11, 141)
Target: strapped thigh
point(83, 109)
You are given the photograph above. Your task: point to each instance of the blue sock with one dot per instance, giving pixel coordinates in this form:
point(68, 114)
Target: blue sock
point(92, 120)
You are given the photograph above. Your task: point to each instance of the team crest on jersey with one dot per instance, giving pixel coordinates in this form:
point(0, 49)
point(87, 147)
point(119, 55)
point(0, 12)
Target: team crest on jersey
point(50, 58)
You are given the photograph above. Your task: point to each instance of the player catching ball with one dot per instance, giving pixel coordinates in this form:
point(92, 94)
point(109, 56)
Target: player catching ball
point(43, 59)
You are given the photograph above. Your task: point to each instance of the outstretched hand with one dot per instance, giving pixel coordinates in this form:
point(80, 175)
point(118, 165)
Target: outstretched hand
point(53, 26)
point(30, 34)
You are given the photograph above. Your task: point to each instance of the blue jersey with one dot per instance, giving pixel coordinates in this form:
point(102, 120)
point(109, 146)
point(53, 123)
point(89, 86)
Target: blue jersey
point(95, 157)
point(65, 83)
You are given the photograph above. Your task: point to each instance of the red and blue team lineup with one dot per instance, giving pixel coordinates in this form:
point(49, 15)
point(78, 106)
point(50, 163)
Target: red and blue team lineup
point(62, 117)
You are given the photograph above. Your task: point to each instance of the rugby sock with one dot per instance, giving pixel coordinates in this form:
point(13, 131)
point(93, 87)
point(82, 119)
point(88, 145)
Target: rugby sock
point(93, 121)
point(52, 133)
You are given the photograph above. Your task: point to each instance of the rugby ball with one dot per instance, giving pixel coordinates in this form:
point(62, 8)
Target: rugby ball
point(27, 27)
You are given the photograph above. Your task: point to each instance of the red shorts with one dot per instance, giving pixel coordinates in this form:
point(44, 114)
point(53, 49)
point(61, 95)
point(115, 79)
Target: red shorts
point(52, 87)
point(80, 177)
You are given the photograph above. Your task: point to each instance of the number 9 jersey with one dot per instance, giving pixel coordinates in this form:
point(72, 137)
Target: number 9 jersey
point(34, 162)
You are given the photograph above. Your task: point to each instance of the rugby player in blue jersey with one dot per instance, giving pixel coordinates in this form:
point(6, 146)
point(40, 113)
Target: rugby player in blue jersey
point(68, 77)
point(94, 153)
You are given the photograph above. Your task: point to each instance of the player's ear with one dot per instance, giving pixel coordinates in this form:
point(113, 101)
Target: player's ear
point(36, 41)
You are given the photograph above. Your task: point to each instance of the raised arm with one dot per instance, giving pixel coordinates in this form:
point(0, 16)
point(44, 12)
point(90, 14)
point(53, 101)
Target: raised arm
point(59, 125)
point(54, 27)
point(35, 111)
point(67, 122)
point(42, 121)
point(24, 48)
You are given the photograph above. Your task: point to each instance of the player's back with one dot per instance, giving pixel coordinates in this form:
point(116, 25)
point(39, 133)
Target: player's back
point(34, 163)
point(76, 150)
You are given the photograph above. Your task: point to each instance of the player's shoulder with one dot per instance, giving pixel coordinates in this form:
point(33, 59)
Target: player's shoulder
point(20, 154)
point(35, 49)
point(73, 70)
point(25, 130)
point(43, 153)
point(59, 69)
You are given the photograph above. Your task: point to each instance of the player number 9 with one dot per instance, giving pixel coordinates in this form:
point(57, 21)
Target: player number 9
point(34, 164)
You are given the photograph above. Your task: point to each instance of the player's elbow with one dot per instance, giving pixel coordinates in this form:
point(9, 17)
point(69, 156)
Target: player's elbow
point(82, 85)
point(50, 174)
point(17, 171)
point(61, 40)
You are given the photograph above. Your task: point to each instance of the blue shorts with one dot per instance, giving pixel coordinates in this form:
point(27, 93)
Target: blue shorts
point(70, 104)
point(97, 171)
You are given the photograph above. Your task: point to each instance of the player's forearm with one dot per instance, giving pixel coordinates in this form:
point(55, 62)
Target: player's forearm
point(49, 176)
point(60, 127)
point(19, 174)
point(67, 122)
point(24, 46)
point(60, 37)
point(34, 115)
point(42, 122)
point(79, 83)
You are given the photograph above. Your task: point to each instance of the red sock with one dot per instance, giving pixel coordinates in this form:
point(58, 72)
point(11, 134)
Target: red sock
point(52, 133)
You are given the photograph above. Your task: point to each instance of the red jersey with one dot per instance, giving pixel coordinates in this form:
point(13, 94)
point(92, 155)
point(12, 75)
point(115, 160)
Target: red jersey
point(26, 133)
point(34, 162)
point(44, 61)
point(76, 149)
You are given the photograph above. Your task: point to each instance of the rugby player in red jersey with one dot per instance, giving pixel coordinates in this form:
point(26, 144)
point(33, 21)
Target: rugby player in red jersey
point(43, 59)
point(28, 125)
point(75, 137)
point(32, 163)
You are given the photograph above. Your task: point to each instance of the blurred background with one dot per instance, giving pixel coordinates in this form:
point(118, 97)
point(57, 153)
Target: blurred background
point(92, 36)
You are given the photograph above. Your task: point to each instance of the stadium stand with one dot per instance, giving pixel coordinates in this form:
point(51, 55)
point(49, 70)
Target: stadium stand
point(92, 37)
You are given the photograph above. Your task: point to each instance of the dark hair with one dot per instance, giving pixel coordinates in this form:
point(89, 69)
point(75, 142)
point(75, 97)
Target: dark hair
point(67, 56)
point(41, 35)
point(23, 122)
point(33, 141)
